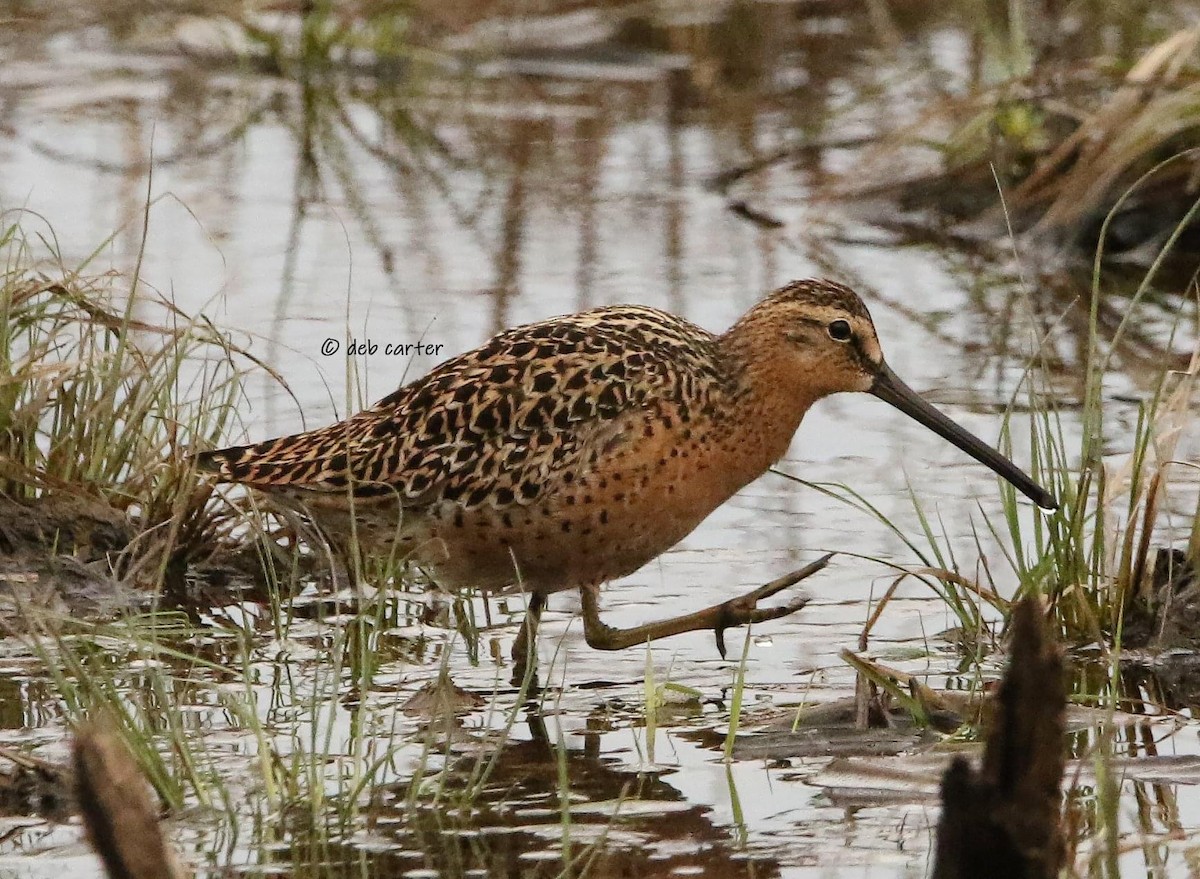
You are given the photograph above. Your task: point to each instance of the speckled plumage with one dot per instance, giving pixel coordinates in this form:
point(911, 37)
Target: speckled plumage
point(496, 426)
point(566, 453)
point(562, 452)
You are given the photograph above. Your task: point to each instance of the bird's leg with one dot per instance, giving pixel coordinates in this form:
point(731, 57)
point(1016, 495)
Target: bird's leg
point(527, 637)
point(738, 611)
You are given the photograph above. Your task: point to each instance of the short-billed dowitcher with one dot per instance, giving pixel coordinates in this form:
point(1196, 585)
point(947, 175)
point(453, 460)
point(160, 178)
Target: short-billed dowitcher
point(565, 453)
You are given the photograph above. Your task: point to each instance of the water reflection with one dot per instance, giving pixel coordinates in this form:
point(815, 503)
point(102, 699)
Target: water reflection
point(607, 818)
point(683, 159)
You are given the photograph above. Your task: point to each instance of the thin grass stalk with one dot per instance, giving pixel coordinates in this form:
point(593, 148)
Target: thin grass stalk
point(735, 705)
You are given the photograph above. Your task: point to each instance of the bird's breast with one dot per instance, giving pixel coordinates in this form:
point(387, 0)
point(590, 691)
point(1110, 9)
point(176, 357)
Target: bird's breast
point(638, 496)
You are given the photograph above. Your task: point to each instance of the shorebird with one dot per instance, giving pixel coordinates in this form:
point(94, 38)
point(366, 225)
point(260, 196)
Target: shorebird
point(566, 453)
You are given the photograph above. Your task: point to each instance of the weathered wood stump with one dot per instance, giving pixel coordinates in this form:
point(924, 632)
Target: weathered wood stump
point(1004, 819)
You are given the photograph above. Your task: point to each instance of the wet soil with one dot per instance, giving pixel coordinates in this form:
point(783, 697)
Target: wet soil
point(1166, 614)
point(58, 556)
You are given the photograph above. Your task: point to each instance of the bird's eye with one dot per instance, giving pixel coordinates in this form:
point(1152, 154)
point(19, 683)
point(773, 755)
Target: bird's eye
point(839, 331)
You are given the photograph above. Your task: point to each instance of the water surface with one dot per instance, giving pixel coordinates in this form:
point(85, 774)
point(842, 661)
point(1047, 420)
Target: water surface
point(437, 202)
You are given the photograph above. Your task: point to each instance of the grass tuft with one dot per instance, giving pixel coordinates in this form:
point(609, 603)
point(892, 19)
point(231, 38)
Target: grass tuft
point(105, 387)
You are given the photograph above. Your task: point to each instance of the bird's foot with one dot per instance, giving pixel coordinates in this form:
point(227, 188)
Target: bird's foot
point(744, 609)
point(718, 617)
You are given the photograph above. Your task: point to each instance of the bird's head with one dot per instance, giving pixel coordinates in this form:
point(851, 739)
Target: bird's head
point(823, 341)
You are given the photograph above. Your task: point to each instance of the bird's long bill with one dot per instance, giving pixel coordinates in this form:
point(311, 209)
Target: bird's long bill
point(889, 387)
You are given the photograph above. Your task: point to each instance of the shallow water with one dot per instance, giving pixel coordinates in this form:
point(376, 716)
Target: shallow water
point(437, 208)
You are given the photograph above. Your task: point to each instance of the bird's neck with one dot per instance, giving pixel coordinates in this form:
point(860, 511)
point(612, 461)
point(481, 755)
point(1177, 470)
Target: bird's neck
point(767, 402)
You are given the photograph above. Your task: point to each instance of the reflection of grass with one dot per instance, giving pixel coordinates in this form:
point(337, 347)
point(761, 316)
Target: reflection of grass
point(1065, 125)
point(294, 744)
point(344, 63)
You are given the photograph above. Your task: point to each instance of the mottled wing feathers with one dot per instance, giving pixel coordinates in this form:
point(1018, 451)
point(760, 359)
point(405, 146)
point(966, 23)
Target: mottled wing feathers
point(492, 425)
